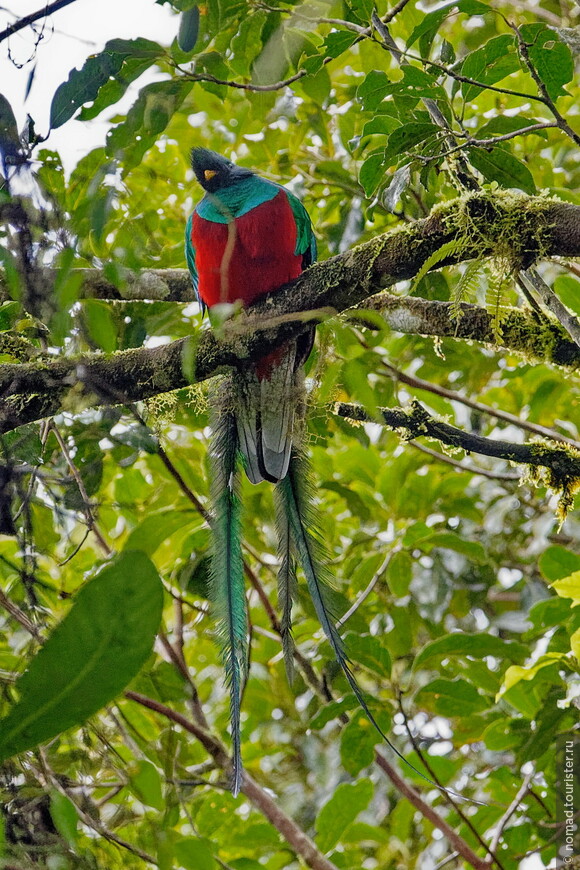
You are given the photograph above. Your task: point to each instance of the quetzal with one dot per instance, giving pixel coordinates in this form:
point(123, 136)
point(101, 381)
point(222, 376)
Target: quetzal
point(245, 238)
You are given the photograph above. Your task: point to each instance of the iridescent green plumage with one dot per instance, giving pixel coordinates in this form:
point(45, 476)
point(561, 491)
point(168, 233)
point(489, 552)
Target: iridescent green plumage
point(227, 572)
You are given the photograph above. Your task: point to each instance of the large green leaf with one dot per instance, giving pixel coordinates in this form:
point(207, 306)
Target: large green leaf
point(430, 23)
point(551, 57)
point(557, 562)
point(90, 656)
point(373, 90)
point(82, 86)
point(451, 698)
point(368, 651)
point(490, 64)
point(473, 645)
point(343, 807)
point(498, 164)
point(146, 119)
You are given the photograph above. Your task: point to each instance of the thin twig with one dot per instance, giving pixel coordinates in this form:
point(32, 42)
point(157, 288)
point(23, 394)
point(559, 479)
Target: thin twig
point(18, 614)
point(546, 98)
point(369, 588)
point(181, 665)
point(95, 824)
point(290, 831)
point(470, 469)
point(91, 522)
point(21, 23)
point(181, 482)
point(522, 791)
point(487, 143)
point(458, 809)
point(452, 395)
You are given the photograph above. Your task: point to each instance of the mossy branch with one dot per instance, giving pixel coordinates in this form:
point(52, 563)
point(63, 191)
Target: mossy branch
point(479, 224)
point(558, 466)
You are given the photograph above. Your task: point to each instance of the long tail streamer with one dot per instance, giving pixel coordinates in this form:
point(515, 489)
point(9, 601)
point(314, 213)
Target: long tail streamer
point(227, 580)
point(295, 493)
point(287, 584)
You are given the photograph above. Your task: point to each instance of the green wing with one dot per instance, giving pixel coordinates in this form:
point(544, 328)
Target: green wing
point(190, 257)
point(305, 241)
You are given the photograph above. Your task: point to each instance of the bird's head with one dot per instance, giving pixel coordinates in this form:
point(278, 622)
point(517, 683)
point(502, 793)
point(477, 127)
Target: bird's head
point(215, 172)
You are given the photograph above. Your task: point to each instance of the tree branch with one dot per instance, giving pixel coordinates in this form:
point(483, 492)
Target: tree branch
point(456, 842)
point(26, 20)
point(541, 227)
point(562, 463)
point(294, 835)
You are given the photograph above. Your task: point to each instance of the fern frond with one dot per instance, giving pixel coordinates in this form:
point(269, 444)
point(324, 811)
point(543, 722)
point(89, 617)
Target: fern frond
point(227, 571)
point(496, 282)
point(446, 250)
point(465, 288)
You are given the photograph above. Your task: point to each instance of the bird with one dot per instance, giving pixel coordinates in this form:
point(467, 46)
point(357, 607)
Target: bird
point(247, 237)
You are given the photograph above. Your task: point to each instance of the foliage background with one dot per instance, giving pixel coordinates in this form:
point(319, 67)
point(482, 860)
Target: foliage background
point(468, 656)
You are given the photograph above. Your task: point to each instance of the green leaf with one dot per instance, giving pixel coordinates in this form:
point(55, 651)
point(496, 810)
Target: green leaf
point(499, 165)
point(475, 646)
point(357, 745)
point(515, 674)
point(317, 86)
point(451, 698)
point(400, 573)
point(10, 312)
point(247, 43)
point(545, 614)
point(145, 782)
point(372, 172)
point(332, 710)
point(368, 651)
point(490, 64)
point(450, 541)
point(337, 814)
point(193, 854)
point(506, 124)
point(550, 56)
point(90, 656)
point(372, 91)
point(557, 562)
point(569, 587)
point(64, 815)
point(430, 23)
point(338, 41)
point(83, 85)
point(146, 119)
point(158, 527)
point(408, 135)
point(188, 29)
point(567, 289)
point(100, 323)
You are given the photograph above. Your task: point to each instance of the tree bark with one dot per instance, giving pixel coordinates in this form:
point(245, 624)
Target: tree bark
point(536, 227)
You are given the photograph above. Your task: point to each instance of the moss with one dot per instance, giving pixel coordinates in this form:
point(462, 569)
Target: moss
point(498, 220)
point(17, 347)
point(557, 468)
